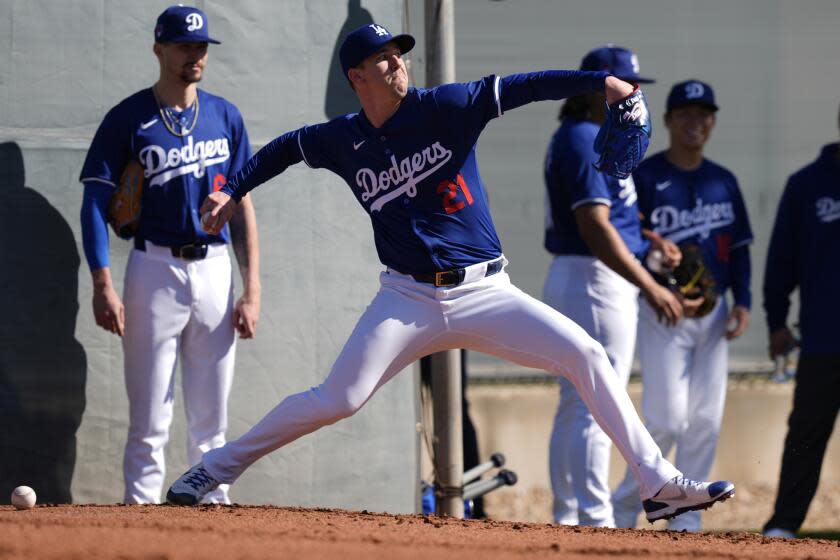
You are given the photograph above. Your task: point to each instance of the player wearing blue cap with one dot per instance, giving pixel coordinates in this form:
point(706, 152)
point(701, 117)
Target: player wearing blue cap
point(804, 253)
point(409, 158)
point(178, 289)
point(593, 231)
point(688, 199)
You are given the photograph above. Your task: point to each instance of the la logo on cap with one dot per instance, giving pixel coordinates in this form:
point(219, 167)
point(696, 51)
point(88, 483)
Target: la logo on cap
point(694, 90)
point(379, 29)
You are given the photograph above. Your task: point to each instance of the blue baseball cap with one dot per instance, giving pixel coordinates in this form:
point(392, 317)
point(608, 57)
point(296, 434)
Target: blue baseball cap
point(366, 40)
point(182, 24)
point(618, 61)
point(691, 92)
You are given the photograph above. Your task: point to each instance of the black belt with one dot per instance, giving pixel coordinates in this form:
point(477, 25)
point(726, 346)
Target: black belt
point(449, 278)
point(188, 252)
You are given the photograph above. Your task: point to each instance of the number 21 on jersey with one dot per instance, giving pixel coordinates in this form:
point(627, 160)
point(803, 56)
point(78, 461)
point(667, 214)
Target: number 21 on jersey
point(449, 190)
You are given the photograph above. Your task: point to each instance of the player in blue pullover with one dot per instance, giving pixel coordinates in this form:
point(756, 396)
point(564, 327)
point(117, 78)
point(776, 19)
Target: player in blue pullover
point(804, 253)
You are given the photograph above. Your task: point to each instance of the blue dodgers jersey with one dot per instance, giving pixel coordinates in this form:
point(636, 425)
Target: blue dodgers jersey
point(179, 171)
point(571, 181)
point(417, 176)
point(804, 252)
point(703, 207)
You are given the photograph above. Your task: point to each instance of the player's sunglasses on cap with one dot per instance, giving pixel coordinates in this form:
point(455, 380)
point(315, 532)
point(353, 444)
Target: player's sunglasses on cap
point(182, 24)
point(366, 40)
point(618, 61)
point(691, 92)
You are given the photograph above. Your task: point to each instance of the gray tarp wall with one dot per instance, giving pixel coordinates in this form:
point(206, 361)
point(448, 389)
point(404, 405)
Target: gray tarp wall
point(63, 64)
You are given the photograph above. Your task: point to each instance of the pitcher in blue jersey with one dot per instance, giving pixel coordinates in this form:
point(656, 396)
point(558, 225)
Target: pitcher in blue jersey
point(178, 293)
point(686, 198)
point(409, 158)
point(804, 253)
point(594, 232)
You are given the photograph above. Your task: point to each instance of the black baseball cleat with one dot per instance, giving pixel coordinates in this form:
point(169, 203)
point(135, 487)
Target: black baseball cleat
point(680, 495)
point(191, 487)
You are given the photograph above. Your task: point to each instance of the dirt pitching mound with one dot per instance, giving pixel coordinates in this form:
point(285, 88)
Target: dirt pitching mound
point(234, 532)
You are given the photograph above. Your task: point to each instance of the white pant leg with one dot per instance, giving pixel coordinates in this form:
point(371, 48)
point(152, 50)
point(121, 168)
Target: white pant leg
point(665, 355)
point(156, 310)
point(602, 302)
point(402, 324)
point(499, 319)
point(207, 359)
point(707, 378)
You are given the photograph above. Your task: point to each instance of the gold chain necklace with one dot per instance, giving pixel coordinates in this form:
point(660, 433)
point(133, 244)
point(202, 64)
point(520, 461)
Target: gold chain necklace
point(169, 120)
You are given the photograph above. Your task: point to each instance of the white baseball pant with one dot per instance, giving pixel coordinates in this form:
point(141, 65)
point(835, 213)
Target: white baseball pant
point(684, 373)
point(598, 299)
point(407, 320)
point(175, 308)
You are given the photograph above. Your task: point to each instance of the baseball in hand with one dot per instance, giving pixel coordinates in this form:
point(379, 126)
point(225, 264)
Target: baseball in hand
point(23, 497)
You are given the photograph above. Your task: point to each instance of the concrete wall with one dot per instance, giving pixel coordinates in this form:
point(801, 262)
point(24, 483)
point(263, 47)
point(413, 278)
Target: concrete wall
point(62, 66)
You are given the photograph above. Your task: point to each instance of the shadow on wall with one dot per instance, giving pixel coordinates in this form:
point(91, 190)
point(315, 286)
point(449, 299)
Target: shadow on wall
point(340, 98)
point(42, 366)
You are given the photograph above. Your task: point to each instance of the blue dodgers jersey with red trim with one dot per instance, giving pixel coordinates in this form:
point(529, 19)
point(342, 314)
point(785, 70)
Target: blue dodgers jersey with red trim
point(703, 207)
point(571, 181)
point(417, 176)
point(179, 171)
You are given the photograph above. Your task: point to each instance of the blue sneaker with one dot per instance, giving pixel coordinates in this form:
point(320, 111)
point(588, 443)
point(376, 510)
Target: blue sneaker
point(191, 487)
point(680, 495)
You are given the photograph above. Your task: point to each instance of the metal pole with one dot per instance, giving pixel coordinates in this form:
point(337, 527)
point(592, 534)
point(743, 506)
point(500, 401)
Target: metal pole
point(440, 43)
point(448, 440)
point(446, 366)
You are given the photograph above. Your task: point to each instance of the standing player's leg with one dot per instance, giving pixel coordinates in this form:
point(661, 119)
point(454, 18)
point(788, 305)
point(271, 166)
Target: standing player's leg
point(207, 358)
point(664, 357)
point(402, 324)
point(569, 295)
point(603, 303)
point(154, 317)
point(707, 377)
point(816, 403)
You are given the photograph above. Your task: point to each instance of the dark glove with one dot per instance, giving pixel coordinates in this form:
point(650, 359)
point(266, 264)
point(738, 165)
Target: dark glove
point(624, 136)
point(693, 279)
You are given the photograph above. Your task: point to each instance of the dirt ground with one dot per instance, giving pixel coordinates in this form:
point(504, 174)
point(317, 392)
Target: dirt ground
point(751, 507)
point(239, 532)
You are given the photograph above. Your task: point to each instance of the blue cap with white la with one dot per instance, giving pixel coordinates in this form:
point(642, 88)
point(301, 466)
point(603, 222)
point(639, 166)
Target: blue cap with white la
point(691, 92)
point(366, 40)
point(618, 61)
point(182, 24)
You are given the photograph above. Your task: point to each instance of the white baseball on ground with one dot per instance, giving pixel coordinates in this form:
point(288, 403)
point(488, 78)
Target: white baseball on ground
point(23, 497)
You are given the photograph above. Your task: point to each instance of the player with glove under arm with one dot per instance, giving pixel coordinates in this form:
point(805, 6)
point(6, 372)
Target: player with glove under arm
point(594, 233)
point(688, 199)
point(409, 158)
